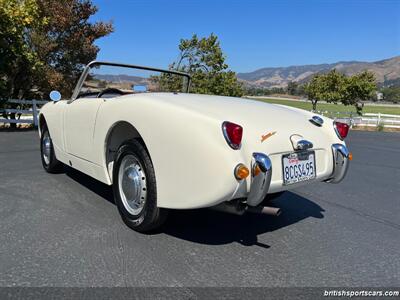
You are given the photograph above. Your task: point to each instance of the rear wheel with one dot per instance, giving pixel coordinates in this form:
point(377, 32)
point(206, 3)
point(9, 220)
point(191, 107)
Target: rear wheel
point(49, 160)
point(135, 190)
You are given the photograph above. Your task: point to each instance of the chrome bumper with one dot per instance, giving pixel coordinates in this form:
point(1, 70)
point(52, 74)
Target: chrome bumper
point(340, 163)
point(261, 171)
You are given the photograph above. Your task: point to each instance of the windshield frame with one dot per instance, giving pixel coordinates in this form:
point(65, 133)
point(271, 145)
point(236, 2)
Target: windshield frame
point(90, 65)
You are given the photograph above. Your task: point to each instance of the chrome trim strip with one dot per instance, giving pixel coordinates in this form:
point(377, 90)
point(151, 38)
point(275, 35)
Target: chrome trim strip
point(259, 182)
point(340, 163)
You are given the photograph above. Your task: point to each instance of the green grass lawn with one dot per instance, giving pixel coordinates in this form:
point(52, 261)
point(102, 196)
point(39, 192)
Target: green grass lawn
point(335, 107)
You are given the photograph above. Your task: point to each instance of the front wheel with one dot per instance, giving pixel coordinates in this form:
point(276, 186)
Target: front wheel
point(49, 160)
point(134, 186)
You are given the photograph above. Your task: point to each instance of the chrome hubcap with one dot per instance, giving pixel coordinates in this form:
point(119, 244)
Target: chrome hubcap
point(46, 147)
point(132, 184)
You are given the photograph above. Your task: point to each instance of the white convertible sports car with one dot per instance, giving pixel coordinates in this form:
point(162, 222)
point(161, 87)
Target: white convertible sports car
point(178, 150)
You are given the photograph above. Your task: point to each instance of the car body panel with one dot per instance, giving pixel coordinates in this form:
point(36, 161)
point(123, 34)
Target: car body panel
point(79, 126)
point(194, 166)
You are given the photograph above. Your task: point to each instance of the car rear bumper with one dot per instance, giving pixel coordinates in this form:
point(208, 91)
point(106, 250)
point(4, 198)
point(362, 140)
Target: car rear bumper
point(341, 159)
point(261, 173)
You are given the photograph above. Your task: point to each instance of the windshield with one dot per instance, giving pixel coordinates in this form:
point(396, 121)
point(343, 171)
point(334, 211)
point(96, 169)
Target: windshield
point(107, 80)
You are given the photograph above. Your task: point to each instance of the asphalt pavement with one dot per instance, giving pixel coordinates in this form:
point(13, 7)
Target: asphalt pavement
point(64, 230)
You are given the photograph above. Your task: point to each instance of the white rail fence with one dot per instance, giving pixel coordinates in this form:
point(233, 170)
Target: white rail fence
point(28, 115)
point(375, 120)
point(366, 120)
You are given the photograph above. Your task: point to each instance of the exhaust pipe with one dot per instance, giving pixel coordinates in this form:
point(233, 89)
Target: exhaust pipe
point(266, 210)
point(239, 208)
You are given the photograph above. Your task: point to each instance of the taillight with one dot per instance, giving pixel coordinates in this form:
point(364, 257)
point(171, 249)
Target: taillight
point(342, 129)
point(233, 134)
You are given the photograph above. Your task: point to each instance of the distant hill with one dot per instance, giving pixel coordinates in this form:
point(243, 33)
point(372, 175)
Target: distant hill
point(387, 72)
point(121, 78)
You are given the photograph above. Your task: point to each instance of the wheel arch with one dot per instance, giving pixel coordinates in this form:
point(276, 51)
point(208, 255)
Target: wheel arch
point(119, 132)
point(41, 124)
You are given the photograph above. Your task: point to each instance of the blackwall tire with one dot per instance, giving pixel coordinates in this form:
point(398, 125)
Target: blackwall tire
point(135, 189)
point(49, 160)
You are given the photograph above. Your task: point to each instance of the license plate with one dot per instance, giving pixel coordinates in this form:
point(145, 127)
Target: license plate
point(298, 167)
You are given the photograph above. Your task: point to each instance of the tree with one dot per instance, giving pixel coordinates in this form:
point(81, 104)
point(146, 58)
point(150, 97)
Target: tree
point(66, 43)
point(292, 88)
point(336, 87)
point(391, 94)
point(301, 90)
point(44, 45)
point(326, 87)
point(358, 87)
point(18, 60)
point(204, 60)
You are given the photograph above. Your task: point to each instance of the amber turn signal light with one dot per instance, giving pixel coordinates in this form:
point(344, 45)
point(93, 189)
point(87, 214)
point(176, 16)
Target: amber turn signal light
point(241, 172)
point(350, 156)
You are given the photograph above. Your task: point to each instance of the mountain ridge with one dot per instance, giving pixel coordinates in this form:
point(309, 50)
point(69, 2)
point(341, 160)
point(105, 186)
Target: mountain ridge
point(387, 71)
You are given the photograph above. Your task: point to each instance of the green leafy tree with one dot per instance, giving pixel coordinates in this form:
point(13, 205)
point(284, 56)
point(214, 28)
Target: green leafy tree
point(326, 87)
point(359, 87)
point(335, 87)
point(391, 94)
point(256, 91)
point(44, 45)
point(301, 90)
point(292, 88)
point(204, 60)
point(18, 60)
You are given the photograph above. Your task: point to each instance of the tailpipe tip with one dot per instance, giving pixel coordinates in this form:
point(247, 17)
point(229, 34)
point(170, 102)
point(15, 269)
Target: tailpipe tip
point(266, 210)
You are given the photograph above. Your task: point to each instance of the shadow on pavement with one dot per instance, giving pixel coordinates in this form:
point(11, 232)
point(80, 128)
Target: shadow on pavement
point(210, 227)
point(99, 188)
point(206, 226)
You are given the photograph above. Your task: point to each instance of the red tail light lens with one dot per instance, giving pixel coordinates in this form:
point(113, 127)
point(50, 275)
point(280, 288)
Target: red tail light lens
point(233, 134)
point(342, 129)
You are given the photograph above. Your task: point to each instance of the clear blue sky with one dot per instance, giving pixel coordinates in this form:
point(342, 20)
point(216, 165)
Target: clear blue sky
point(253, 34)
